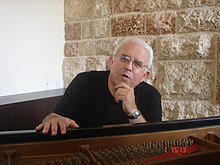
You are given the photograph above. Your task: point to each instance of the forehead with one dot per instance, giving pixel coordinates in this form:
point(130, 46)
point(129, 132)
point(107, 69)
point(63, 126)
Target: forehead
point(134, 50)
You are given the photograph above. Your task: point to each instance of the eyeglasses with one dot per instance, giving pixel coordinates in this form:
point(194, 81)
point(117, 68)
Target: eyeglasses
point(135, 63)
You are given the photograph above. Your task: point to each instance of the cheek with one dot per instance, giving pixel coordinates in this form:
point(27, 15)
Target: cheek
point(137, 78)
point(116, 66)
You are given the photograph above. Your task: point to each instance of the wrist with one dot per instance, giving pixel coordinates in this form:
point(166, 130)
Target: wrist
point(135, 115)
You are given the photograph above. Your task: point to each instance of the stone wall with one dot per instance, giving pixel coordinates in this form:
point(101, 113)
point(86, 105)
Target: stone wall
point(184, 34)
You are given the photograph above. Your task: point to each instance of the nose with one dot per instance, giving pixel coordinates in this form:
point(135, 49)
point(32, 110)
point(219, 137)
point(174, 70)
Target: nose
point(129, 65)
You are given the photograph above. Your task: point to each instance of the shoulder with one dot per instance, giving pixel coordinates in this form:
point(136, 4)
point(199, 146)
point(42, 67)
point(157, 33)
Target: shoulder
point(92, 75)
point(146, 88)
point(88, 79)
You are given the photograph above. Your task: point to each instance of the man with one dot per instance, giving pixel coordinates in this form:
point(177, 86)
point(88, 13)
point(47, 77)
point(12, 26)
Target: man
point(116, 96)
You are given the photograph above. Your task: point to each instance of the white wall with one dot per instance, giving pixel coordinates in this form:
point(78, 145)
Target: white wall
point(31, 45)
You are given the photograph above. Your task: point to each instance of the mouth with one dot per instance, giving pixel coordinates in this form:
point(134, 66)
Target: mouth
point(125, 76)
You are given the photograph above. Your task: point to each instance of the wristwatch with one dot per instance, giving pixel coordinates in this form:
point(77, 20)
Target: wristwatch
point(135, 115)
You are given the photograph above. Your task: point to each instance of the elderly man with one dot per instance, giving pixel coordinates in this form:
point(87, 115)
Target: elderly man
point(116, 96)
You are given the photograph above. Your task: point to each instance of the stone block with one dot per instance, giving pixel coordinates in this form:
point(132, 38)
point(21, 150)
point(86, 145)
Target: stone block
point(71, 67)
point(125, 6)
point(192, 46)
point(99, 28)
point(75, 10)
point(71, 49)
point(160, 5)
point(198, 19)
point(96, 63)
point(87, 48)
point(202, 3)
point(160, 23)
point(127, 25)
point(72, 31)
point(186, 80)
point(174, 110)
point(106, 46)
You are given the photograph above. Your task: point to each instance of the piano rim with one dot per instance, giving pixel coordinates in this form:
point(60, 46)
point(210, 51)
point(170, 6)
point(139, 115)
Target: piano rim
point(26, 136)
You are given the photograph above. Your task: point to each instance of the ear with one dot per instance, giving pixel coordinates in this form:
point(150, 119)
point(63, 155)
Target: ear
point(146, 75)
point(110, 62)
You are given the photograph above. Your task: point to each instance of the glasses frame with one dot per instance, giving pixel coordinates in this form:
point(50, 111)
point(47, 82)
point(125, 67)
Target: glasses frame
point(137, 64)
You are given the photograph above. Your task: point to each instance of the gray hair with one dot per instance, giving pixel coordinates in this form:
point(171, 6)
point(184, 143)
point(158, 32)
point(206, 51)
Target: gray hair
point(141, 42)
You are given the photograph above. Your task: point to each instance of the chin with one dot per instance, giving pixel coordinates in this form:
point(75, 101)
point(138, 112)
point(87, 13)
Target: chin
point(128, 83)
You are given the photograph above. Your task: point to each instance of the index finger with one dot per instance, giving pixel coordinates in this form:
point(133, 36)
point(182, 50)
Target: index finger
point(39, 127)
point(44, 127)
point(121, 85)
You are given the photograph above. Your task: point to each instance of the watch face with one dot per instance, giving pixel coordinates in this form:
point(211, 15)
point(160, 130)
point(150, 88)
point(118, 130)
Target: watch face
point(135, 115)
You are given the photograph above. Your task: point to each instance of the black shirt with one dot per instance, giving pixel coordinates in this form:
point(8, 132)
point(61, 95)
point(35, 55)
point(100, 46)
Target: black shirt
point(88, 101)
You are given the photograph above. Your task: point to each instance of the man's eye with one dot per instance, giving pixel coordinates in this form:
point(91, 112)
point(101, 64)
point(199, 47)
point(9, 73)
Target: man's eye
point(138, 64)
point(125, 58)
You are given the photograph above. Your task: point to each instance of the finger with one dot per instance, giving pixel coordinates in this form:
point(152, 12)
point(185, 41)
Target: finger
point(39, 127)
point(62, 126)
point(46, 128)
point(122, 91)
point(120, 94)
point(119, 98)
point(121, 85)
point(73, 124)
point(54, 128)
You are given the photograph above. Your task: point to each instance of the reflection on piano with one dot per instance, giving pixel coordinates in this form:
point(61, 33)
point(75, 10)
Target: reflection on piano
point(168, 142)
